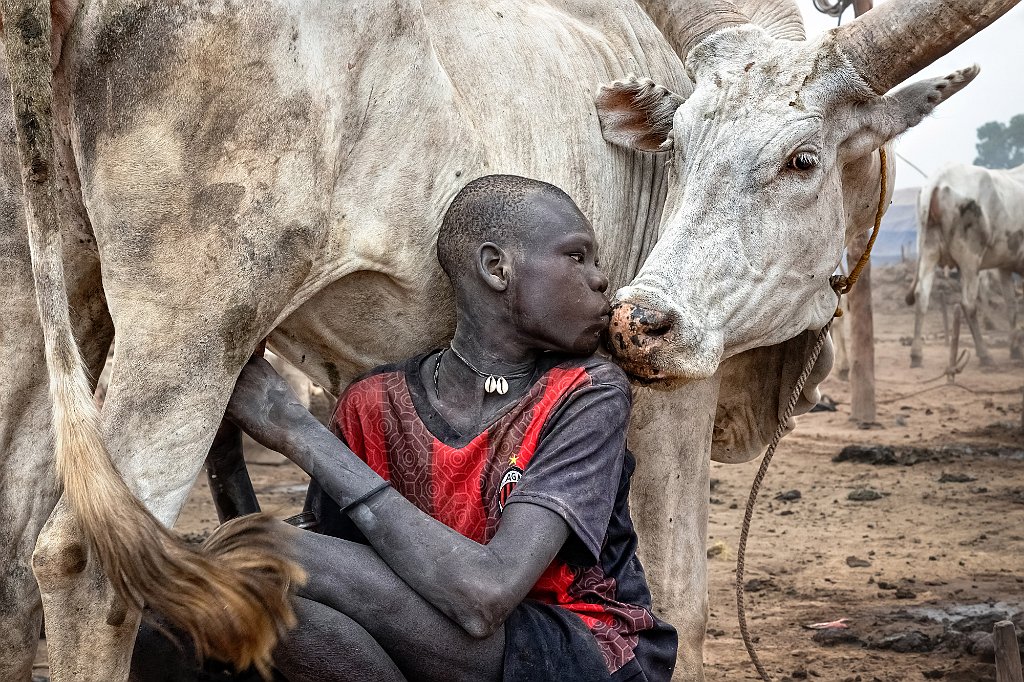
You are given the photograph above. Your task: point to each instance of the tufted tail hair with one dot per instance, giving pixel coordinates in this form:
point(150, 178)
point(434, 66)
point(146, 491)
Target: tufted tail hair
point(230, 595)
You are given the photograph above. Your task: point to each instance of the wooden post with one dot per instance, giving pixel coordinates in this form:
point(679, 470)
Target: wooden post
point(1008, 669)
point(862, 341)
point(862, 324)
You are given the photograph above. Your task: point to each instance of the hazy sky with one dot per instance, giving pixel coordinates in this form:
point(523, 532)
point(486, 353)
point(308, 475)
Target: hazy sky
point(949, 134)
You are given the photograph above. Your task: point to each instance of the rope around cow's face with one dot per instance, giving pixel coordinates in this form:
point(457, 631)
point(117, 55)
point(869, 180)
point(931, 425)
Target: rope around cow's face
point(841, 284)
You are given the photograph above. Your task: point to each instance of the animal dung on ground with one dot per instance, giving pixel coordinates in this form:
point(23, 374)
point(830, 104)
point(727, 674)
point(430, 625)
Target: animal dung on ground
point(855, 562)
point(758, 585)
point(867, 454)
point(956, 478)
point(865, 495)
point(835, 636)
point(914, 641)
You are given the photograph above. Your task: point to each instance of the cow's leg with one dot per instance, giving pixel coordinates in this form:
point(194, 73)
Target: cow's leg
point(671, 436)
point(27, 495)
point(1010, 296)
point(28, 489)
point(921, 295)
point(28, 486)
point(969, 283)
point(172, 377)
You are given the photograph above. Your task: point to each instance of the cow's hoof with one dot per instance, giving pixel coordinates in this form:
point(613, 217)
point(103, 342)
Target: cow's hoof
point(986, 361)
point(844, 375)
point(1016, 354)
point(915, 361)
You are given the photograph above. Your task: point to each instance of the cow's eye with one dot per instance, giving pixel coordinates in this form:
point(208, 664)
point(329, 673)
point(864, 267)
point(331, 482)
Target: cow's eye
point(803, 161)
point(578, 257)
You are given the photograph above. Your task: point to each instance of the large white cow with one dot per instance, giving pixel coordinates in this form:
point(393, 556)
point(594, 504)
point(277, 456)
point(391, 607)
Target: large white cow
point(281, 170)
point(970, 218)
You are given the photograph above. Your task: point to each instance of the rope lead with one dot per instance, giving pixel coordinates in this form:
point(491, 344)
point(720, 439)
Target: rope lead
point(841, 284)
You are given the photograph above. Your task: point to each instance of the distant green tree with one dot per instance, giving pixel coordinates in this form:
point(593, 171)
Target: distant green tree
point(1001, 145)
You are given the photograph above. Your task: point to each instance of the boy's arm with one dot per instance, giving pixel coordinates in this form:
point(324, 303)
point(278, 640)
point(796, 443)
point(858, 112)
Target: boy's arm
point(475, 585)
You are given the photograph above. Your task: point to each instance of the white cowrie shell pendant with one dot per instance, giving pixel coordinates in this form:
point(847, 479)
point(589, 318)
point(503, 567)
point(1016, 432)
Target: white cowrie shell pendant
point(491, 385)
point(502, 386)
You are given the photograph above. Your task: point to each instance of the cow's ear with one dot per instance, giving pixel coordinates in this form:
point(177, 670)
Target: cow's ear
point(636, 113)
point(876, 122)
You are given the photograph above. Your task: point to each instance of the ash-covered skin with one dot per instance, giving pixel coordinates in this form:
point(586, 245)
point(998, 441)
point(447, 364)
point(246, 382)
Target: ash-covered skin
point(520, 292)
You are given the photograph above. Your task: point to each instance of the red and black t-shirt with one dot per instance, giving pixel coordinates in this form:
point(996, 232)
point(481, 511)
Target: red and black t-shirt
point(561, 446)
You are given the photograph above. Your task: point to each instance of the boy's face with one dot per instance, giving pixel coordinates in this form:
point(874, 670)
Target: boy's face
point(557, 290)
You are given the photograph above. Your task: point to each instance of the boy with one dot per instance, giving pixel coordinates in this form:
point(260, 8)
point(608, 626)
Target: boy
point(488, 479)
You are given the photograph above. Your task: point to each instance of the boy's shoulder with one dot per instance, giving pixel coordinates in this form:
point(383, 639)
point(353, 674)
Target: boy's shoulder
point(601, 370)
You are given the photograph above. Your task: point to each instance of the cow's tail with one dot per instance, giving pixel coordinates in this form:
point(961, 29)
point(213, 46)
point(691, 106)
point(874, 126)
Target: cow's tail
point(927, 211)
point(231, 596)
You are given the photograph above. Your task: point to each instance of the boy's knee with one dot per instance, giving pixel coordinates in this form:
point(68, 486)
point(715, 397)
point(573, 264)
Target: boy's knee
point(357, 578)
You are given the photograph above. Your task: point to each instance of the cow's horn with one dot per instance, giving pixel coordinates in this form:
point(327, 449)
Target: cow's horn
point(899, 38)
point(780, 18)
point(685, 23)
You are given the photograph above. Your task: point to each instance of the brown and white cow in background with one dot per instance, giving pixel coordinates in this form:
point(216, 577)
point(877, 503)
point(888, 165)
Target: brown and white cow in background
point(970, 218)
point(242, 171)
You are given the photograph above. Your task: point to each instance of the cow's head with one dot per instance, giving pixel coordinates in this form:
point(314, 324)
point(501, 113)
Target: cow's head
point(769, 158)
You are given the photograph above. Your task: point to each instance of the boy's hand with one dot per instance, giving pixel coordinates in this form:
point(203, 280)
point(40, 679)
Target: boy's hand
point(263, 404)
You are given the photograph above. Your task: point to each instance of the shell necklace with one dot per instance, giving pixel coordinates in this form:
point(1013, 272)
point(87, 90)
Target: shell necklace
point(493, 383)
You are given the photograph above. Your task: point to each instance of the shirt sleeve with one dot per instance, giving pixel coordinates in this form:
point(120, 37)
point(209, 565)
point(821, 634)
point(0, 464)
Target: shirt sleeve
point(576, 468)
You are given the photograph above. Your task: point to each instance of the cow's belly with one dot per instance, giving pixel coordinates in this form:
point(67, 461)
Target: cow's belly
point(363, 320)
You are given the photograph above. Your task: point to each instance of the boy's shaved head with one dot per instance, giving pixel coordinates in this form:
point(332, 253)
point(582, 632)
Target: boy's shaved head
point(493, 208)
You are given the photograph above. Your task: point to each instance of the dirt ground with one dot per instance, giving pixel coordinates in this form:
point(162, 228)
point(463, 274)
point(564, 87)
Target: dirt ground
point(936, 558)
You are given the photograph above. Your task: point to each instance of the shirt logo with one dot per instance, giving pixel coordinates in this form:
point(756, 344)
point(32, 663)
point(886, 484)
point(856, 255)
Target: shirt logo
point(508, 484)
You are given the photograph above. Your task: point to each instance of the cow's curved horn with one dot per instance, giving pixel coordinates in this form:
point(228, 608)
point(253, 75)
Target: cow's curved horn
point(899, 38)
point(686, 23)
point(781, 18)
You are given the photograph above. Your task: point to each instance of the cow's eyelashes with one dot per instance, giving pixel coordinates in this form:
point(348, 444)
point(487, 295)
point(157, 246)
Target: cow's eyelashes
point(803, 161)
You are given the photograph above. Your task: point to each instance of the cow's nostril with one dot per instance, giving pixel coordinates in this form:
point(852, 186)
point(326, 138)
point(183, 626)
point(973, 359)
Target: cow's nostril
point(660, 328)
point(654, 323)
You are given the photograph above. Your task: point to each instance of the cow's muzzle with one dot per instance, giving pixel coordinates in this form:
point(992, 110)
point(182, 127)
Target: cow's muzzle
point(654, 345)
point(637, 336)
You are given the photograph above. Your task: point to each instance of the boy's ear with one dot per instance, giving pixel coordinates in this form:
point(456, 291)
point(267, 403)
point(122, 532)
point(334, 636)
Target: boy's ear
point(494, 265)
point(874, 123)
point(637, 114)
